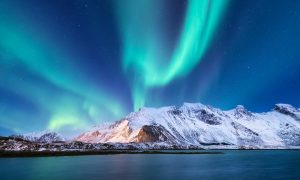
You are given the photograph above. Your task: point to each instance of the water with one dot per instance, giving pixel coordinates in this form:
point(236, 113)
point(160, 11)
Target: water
point(267, 164)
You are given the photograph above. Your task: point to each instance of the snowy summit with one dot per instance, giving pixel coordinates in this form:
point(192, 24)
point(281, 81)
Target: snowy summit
point(200, 125)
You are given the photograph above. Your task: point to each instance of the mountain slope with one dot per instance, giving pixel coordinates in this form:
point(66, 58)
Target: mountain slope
point(198, 124)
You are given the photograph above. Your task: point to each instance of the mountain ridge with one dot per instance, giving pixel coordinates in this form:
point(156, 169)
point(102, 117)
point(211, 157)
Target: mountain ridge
point(198, 124)
point(45, 136)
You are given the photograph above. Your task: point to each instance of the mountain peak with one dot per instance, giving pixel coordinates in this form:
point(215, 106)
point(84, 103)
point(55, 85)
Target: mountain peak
point(191, 106)
point(240, 107)
point(198, 124)
point(240, 111)
point(288, 109)
point(281, 106)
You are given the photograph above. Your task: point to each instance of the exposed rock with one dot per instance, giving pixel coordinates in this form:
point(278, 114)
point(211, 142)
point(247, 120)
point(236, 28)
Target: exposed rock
point(288, 110)
point(200, 125)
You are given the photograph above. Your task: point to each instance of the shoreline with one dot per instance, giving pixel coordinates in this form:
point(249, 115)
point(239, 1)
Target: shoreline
point(12, 154)
point(5, 154)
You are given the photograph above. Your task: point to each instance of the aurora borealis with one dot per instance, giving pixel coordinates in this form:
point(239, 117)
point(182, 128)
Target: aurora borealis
point(144, 42)
point(68, 65)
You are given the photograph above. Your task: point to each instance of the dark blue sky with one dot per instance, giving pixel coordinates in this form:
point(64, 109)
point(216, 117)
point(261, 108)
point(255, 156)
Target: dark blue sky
point(67, 65)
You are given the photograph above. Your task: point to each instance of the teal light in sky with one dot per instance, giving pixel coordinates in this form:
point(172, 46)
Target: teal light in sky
point(146, 59)
point(68, 65)
point(78, 105)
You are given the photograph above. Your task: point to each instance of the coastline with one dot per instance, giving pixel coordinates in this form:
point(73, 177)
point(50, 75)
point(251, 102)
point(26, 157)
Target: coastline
point(4, 154)
point(13, 154)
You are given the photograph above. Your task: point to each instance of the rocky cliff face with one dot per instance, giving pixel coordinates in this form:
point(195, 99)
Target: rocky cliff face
point(198, 124)
point(288, 110)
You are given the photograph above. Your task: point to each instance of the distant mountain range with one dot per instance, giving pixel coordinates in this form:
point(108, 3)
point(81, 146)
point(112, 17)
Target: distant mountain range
point(45, 136)
point(201, 125)
point(191, 126)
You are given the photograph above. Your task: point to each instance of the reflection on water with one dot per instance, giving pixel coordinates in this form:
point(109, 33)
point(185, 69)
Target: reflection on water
point(233, 164)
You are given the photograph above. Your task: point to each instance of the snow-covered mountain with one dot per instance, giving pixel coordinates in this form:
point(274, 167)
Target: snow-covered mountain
point(45, 136)
point(201, 125)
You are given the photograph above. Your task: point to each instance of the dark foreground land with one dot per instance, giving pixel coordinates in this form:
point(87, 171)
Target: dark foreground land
point(16, 147)
point(102, 152)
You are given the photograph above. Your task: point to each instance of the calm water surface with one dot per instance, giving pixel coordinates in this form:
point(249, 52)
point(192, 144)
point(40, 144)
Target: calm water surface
point(279, 164)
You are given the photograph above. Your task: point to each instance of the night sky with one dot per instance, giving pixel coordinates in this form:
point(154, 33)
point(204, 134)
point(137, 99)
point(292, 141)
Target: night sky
point(66, 65)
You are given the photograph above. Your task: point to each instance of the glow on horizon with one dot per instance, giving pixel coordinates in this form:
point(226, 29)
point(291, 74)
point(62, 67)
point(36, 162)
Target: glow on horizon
point(38, 54)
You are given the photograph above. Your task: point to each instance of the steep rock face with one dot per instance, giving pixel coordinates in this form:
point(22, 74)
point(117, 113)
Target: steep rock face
point(290, 134)
point(288, 110)
point(154, 133)
point(197, 124)
point(246, 136)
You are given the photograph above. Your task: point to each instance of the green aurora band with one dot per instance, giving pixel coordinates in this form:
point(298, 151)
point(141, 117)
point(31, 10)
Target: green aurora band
point(81, 104)
point(145, 58)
